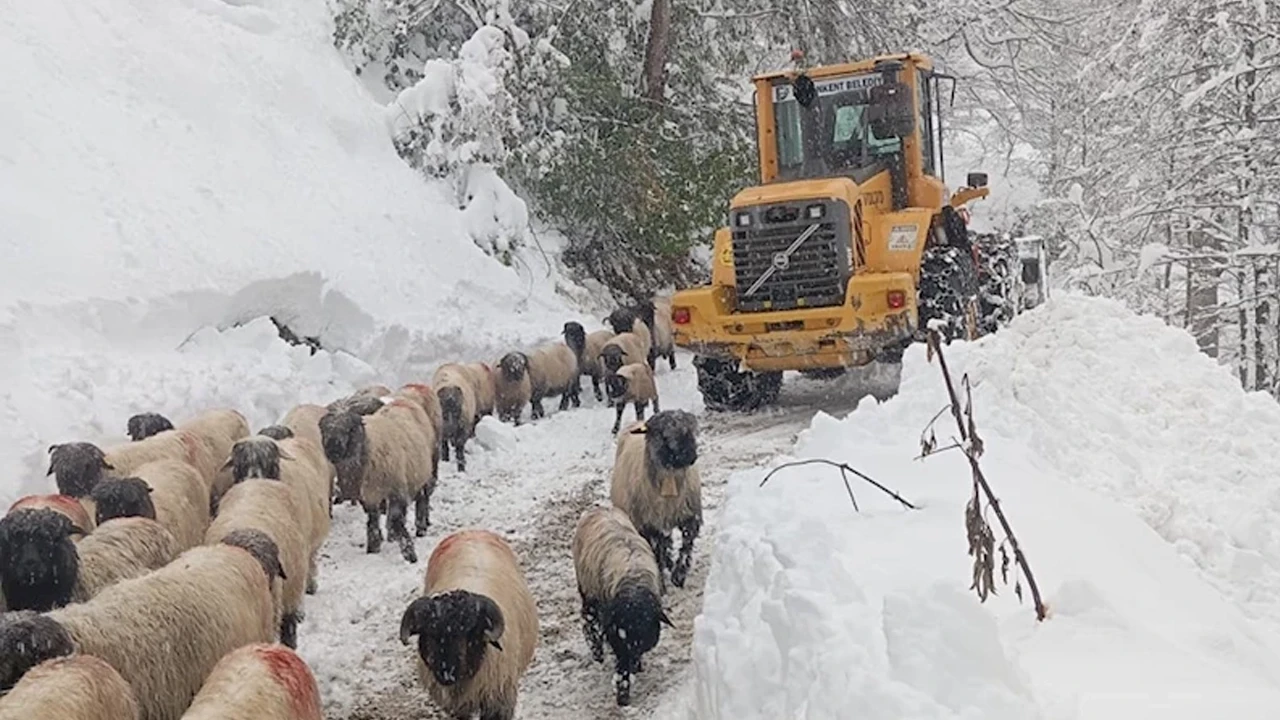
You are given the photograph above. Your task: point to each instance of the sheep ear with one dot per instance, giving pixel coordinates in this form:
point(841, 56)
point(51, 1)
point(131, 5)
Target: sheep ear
point(662, 617)
point(106, 465)
point(227, 465)
point(411, 621)
point(491, 616)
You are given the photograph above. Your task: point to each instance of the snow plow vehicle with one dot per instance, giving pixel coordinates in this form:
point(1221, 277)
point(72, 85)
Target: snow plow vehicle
point(849, 246)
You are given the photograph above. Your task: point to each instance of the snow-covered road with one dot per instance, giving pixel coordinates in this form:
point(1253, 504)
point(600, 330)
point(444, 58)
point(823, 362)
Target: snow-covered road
point(532, 486)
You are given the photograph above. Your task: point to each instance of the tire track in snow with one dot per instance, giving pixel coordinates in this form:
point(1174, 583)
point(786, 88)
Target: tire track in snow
point(534, 496)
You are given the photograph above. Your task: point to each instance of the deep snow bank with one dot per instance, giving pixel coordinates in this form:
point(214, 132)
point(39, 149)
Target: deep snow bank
point(169, 172)
point(1140, 480)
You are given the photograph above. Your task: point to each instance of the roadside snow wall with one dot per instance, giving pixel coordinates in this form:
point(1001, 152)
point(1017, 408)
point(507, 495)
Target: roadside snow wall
point(173, 173)
point(1141, 481)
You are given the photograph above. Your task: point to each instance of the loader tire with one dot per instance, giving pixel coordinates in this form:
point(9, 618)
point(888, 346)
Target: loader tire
point(724, 388)
point(948, 289)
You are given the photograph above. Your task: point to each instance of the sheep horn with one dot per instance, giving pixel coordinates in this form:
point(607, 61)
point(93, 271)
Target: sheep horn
point(662, 616)
point(229, 463)
point(411, 620)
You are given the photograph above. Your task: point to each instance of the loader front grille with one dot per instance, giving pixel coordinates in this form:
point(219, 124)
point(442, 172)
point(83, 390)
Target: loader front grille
point(815, 273)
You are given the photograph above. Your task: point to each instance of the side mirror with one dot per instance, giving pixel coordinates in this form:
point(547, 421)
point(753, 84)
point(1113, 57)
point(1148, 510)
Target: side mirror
point(976, 179)
point(891, 112)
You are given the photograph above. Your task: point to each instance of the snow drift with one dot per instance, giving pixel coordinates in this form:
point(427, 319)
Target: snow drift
point(170, 175)
point(1140, 480)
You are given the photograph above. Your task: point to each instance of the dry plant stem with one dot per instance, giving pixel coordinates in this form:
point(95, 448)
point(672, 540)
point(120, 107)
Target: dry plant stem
point(844, 470)
point(981, 479)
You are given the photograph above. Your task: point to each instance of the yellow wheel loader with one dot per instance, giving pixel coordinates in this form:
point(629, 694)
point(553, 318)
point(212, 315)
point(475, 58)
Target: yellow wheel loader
point(849, 246)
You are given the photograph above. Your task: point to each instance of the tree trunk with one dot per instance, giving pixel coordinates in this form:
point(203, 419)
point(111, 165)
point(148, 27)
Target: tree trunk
point(657, 50)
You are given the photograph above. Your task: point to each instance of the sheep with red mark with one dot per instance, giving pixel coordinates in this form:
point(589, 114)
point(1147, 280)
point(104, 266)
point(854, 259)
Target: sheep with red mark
point(164, 631)
point(388, 457)
point(512, 389)
point(301, 466)
point(76, 687)
point(260, 681)
point(79, 513)
point(476, 624)
point(656, 482)
point(618, 583)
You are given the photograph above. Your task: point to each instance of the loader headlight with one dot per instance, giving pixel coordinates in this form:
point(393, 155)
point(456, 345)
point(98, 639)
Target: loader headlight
point(815, 212)
point(743, 219)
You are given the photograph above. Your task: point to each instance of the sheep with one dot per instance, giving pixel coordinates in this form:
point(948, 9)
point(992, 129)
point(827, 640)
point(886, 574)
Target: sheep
point(144, 425)
point(587, 348)
point(364, 401)
point(203, 442)
point(76, 511)
point(270, 507)
point(259, 681)
point(512, 389)
point(164, 631)
point(173, 491)
point(553, 370)
point(301, 466)
point(474, 597)
point(486, 389)
point(42, 569)
point(457, 386)
point(656, 313)
point(618, 583)
point(390, 457)
point(622, 349)
point(633, 384)
point(314, 453)
point(75, 687)
point(656, 482)
point(627, 320)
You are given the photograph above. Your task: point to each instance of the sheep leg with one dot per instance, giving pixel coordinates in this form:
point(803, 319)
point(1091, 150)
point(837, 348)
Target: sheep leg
point(535, 409)
point(505, 711)
point(444, 450)
point(592, 630)
point(688, 533)
point(460, 445)
point(661, 546)
point(565, 397)
point(672, 357)
point(312, 586)
point(595, 386)
point(422, 512)
point(373, 528)
point(397, 511)
point(617, 423)
point(653, 358)
point(640, 408)
point(656, 408)
point(289, 630)
point(622, 681)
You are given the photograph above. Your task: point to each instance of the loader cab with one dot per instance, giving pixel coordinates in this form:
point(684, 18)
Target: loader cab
point(855, 121)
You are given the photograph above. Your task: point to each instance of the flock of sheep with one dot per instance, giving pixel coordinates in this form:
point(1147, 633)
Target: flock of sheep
point(167, 576)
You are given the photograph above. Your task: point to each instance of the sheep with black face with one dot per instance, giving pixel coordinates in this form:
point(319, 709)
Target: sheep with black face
point(144, 425)
point(633, 384)
point(175, 494)
point(618, 583)
point(458, 388)
point(587, 347)
point(477, 626)
point(656, 482)
point(656, 314)
point(512, 389)
point(627, 321)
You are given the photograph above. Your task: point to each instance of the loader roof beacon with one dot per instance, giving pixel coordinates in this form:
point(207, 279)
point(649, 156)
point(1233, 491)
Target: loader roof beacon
point(847, 247)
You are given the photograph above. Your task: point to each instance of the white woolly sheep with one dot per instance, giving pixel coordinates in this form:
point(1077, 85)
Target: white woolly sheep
point(512, 388)
point(144, 425)
point(626, 320)
point(76, 687)
point(587, 347)
point(173, 492)
point(618, 582)
point(302, 467)
point(632, 384)
point(390, 457)
point(553, 370)
point(41, 568)
point(270, 507)
point(622, 349)
point(260, 681)
point(164, 631)
point(80, 513)
point(656, 482)
point(364, 401)
point(477, 626)
point(656, 313)
point(458, 387)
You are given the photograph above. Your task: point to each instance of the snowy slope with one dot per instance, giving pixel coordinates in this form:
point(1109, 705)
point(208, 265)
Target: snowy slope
point(169, 171)
point(1141, 482)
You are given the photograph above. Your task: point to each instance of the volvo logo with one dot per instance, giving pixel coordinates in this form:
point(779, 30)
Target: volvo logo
point(781, 261)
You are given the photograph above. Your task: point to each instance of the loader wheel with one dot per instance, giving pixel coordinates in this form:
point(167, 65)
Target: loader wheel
point(724, 388)
point(948, 289)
